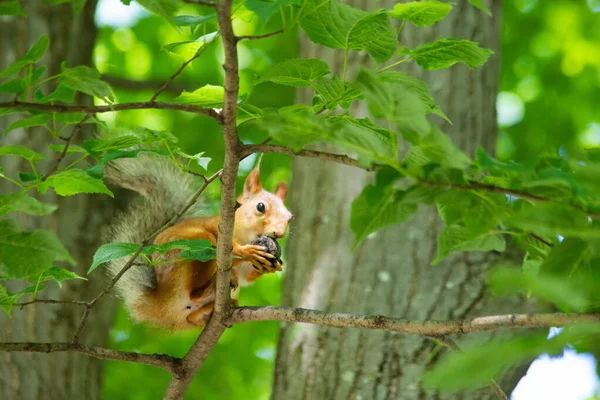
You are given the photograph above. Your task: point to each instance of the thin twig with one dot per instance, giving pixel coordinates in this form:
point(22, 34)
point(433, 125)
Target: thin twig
point(448, 342)
point(62, 155)
point(172, 77)
point(50, 301)
point(163, 361)
point(201, 3)
point(59, 108)
point(257, 37)
point(536, 237)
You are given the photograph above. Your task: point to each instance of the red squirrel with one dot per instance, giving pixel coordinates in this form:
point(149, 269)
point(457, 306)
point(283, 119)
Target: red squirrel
point(181, 295)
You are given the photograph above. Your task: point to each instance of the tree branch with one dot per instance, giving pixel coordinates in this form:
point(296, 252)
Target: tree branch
point(51, 301)
point(163, 361)
point(62, 155)
point(215, 327)
point(427, 328)
point(58, 108)
point(201, 3)
point(257, 37)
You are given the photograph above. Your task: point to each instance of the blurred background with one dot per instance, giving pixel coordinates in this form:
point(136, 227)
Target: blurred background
point(550, 90)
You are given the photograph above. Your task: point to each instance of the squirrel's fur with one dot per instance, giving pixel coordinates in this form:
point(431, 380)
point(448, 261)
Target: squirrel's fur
point(180, 294)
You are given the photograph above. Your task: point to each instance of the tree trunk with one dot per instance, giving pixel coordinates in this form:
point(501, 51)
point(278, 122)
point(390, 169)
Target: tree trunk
point(390, 273)
point(77, 222)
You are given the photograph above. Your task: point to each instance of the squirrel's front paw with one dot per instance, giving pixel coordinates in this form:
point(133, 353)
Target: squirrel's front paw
point(257, 255)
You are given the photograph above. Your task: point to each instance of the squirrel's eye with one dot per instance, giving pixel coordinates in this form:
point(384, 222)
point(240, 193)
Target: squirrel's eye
point(260, 207)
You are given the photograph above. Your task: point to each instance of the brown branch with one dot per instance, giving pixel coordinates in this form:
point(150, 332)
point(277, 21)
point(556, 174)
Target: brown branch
point(68, 140)
point(215, 327)
point(59, 108)
point(448, 342)
point(536, 237)
point(257, 37)
point(427, 328)
point(271, 148)
point(163, 361)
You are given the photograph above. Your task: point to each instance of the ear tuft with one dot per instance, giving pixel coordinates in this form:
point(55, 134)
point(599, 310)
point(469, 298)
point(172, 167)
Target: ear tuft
point(252, 184)
point(281, 190)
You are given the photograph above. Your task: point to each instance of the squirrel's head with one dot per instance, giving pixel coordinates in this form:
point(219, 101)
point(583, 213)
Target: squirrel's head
point(261, 212)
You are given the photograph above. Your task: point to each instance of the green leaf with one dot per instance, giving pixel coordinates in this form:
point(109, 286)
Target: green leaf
point(565, 257)
point(164, 8)
point(23, 203)
point(9, 300)
point(115, 154)
point(568, 295)
point(422, 13)
point(247, 112)
point(87, 80)
point(22, 151)
point(485, 161)
point(186, 49)
point(553, 219)
point(297, 129)
point(13, 86)
point(339, 26)
point(444, 53)
point(11, 7)
point(264, 9)
point(458, 238)
point(74, 181)
point(194, 20)
point(73, 148)
point(112, 251)
point(297, 72)
point(334, 92)
point(206, 96)
point(194, 249)
point(202, 161)
point(33, 55)
point(27, 253)
point(376, 208)
point(36, 120)
point(394, 101)
point(437, 147)
point(114, 143)
point(479, 4)
point(56, 274)
point(488, 360)
point(75, 118)
point(62, 93)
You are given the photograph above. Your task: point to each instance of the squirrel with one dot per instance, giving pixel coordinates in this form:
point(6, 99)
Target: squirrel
point(180, 295)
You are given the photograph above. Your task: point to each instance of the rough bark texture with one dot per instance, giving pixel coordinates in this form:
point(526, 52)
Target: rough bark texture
point(77, 222)
point(390, 273)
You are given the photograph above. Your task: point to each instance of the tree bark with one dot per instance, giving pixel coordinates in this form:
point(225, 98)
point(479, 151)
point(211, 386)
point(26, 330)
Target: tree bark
point(390, 273)
point(77, 222)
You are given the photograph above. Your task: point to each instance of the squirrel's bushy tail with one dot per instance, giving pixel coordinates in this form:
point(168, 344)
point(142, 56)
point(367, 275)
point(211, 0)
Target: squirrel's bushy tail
point(164, 192)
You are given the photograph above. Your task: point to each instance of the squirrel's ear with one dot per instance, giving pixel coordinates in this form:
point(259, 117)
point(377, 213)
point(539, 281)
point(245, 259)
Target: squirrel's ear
point(252, 184)
point(281, 190)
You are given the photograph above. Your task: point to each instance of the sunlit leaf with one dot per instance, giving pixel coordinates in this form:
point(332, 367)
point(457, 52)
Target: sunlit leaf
point(9, 300)
point(421, 13)
point(56, 274)
point(164, 8)
point(206, 96)
point(342, 27)
point(74, 181)
point(444, 53)
point(112, 251)
point(87, 80)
